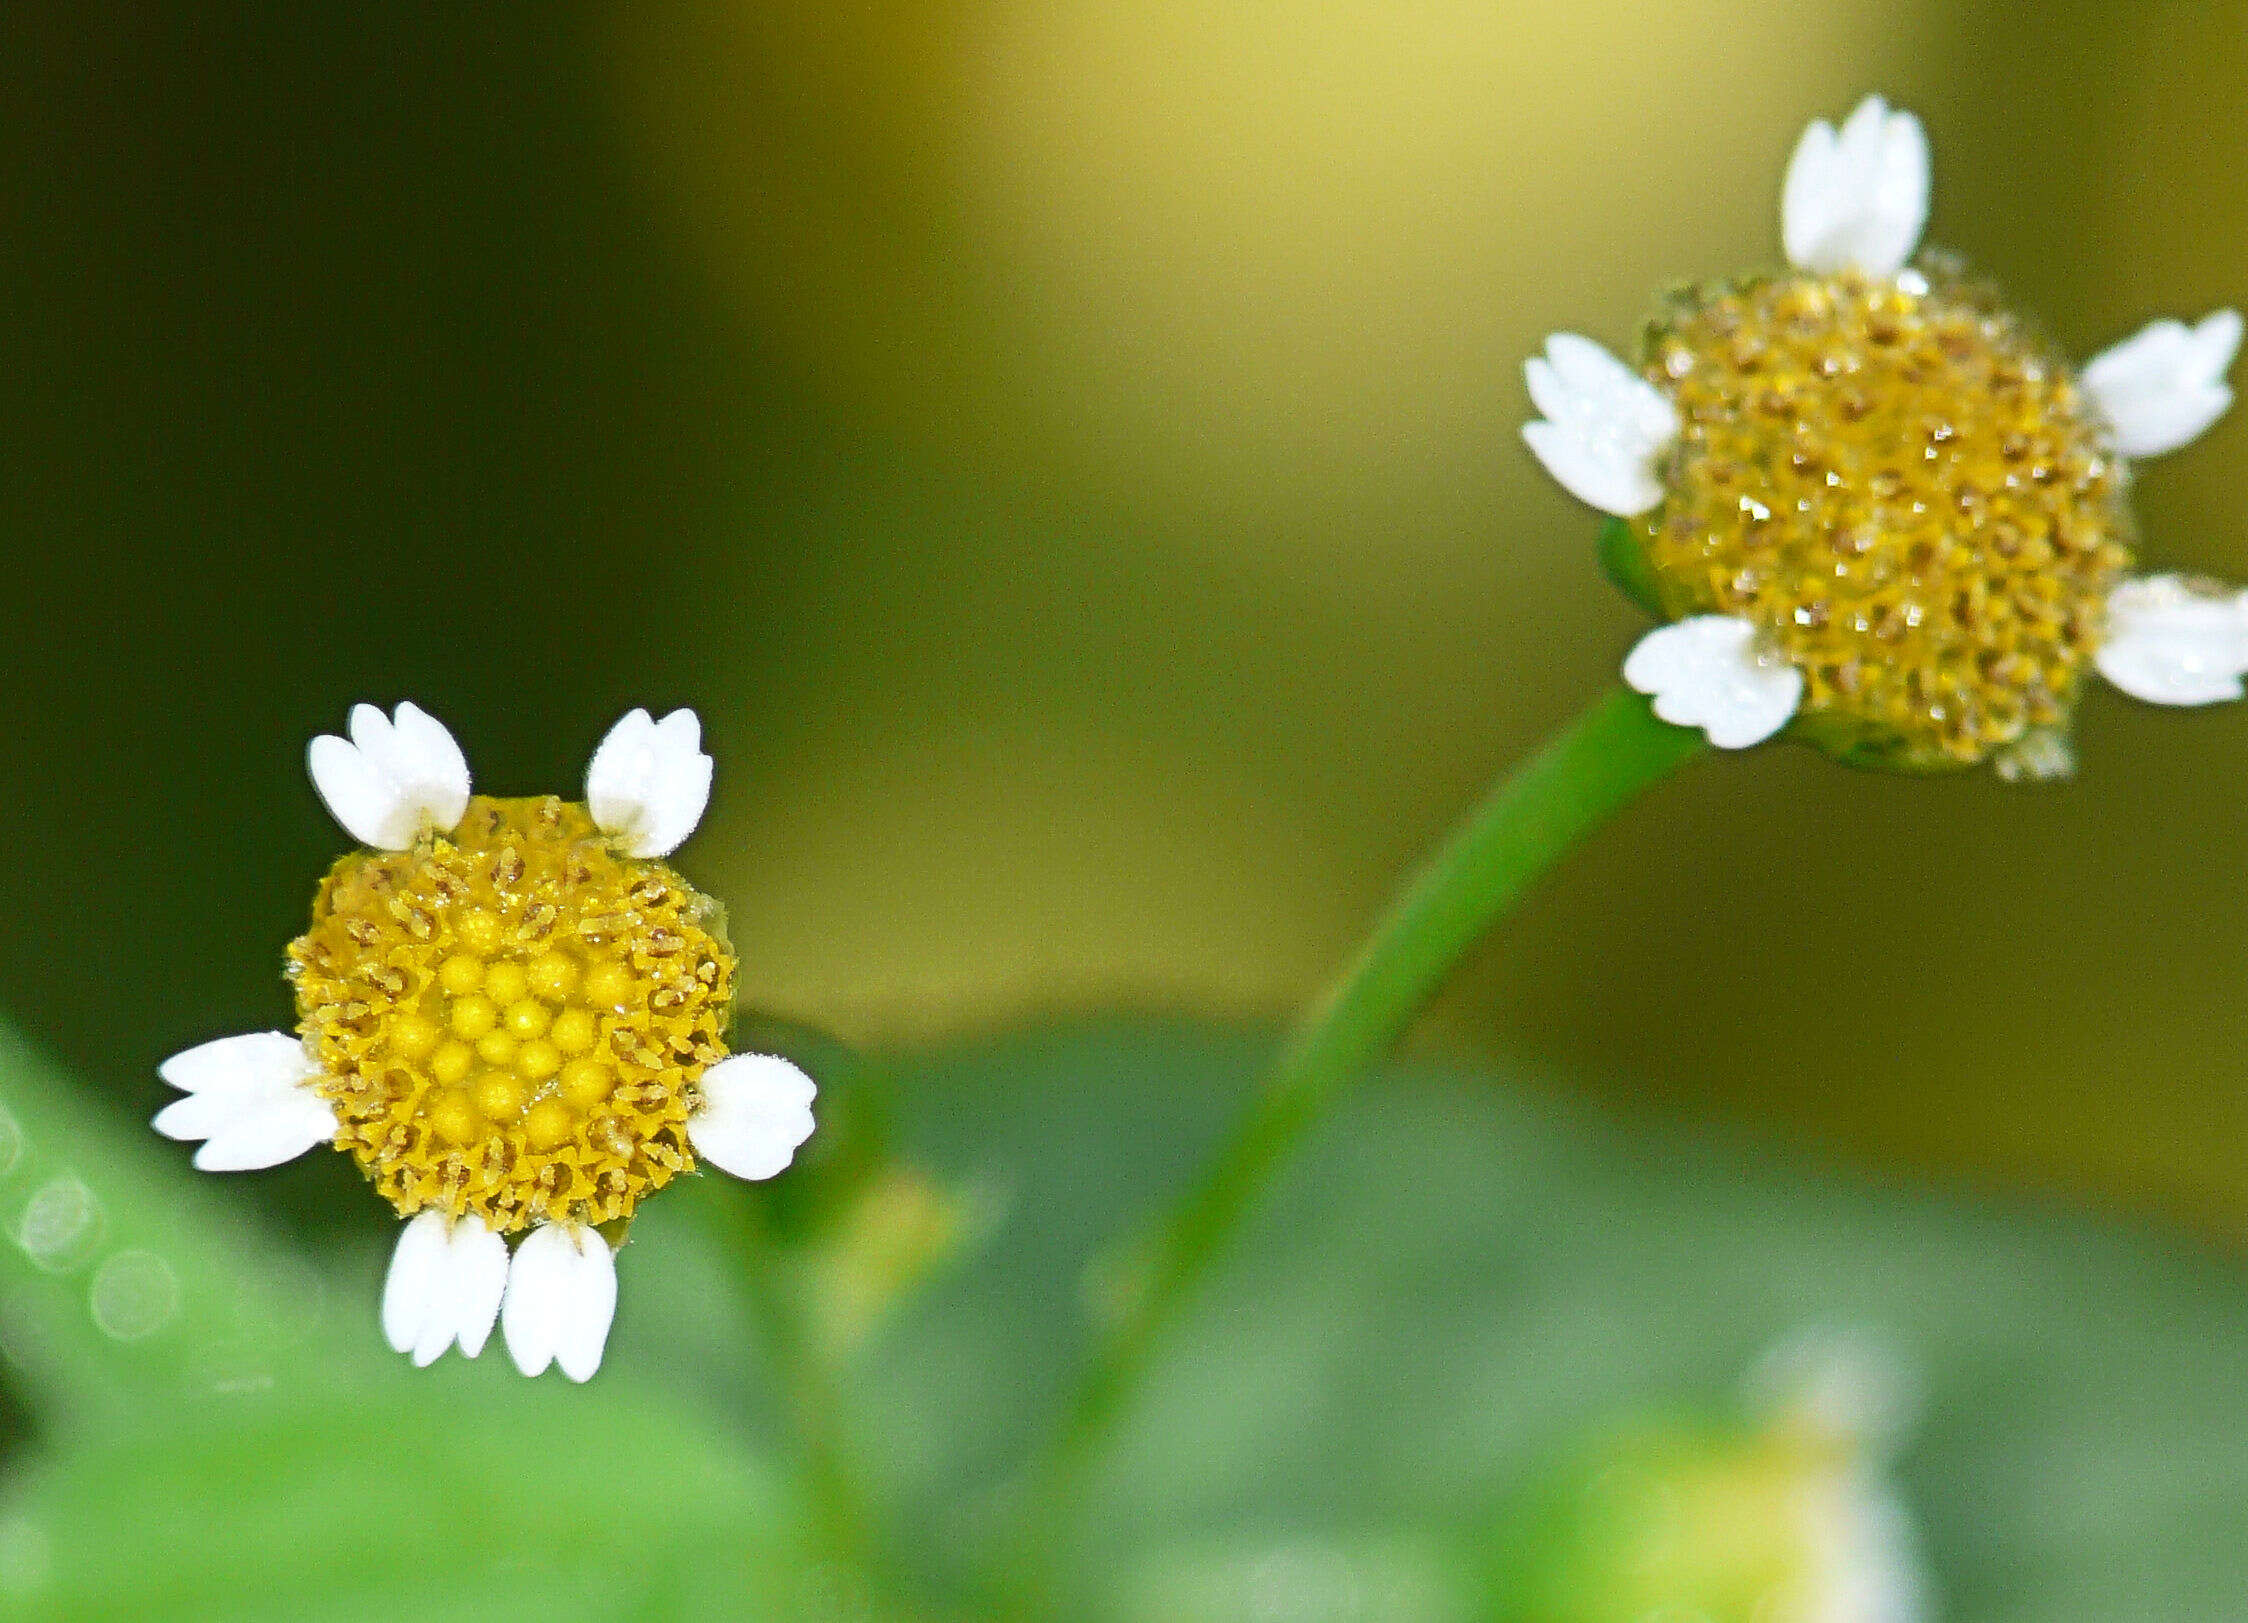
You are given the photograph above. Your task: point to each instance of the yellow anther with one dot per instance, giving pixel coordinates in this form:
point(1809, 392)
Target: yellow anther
point(506, 983)
point(461, 974)
point(454, 1119)
point(574, 1030)
point(612, 986)
point(553, 976)
point(500, 1096)
point(413, 1036)
point(525, 1019)
point(550, 1123)
point(472, 1017)
point(480, 931)
point(586, 1082)
point(480, 1072)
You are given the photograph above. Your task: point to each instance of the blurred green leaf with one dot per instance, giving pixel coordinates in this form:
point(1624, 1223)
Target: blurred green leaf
point(470, 1501)
point(239, 1443)
point(131, 1283)
point(1462, 1275)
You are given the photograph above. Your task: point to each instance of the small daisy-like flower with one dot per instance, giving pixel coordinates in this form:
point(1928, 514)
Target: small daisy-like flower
point(1874, 508)
point(512, 1015)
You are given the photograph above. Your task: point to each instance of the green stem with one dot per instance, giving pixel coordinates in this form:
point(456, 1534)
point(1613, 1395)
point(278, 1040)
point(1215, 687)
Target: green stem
point(1532, 819)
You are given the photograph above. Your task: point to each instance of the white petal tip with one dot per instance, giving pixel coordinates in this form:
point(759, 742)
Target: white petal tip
point(1605, 428)
point(2173, 641)
point(2164, 386)
point(561, 1298)
point(756, 1112)
point(649, 782)
point(1856, 199)
point(393, 778)
point(445, 1284)
point(1706, 672)
point(249, 1099)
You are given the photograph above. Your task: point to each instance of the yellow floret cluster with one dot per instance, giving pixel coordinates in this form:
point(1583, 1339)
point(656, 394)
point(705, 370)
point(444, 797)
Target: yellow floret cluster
point(512, 1018)
point(1903, 492)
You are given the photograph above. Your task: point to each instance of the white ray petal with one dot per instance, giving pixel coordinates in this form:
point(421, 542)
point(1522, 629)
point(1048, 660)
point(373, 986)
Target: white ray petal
point(2174, 641)
point(1706, 672)
point(249, 1099)
point(756, 1109)
point(1857, 198)
point(561, 1297)
point(649, 781)
point(395, 776)
point(2165, 384)
point(1605, 427)
point(445, 1282)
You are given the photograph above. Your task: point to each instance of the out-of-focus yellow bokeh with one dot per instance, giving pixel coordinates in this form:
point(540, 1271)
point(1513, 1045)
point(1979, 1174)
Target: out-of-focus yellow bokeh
point(1069, 455)
point(1205, 579)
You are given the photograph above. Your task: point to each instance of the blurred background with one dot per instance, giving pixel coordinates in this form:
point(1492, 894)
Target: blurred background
point(1068, 454)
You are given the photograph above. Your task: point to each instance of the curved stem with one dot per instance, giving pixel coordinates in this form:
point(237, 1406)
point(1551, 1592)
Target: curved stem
point(1533, 818)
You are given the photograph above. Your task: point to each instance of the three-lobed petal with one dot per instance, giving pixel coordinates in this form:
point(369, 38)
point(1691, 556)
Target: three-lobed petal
point(649, 781)
point(561, 1297)
point(395, 776)
point(1706, 672)
point(445, 1283)
point(2174, 641)
point(756, 1110)
point(1605, 427)
point(1856, 199)
point(249, 1099)
point(2165, 384)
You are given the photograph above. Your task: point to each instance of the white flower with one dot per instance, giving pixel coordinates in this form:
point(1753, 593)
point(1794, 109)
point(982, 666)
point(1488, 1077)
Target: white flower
point(477, 990)
point(649, 782)
point(2170, 641)
point(1856, 201)
point(757, 1108)
point(1605, 427)
point(1706, 672)
point(561, 1295)
point(394, 777)
point(2164, 385)
point(250, 1099)
point(1852, 210)
point(445, 1282)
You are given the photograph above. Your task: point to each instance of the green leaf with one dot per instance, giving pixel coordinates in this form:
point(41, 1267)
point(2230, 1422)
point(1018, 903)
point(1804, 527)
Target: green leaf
point(457, 1497)
point(130, 1284)
point(1465, 1273)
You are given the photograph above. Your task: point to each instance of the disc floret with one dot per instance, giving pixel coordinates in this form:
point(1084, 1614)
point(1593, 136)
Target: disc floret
point(1903, 492)
point(512, 1014)
point(512, 1019)
point(1874, 509)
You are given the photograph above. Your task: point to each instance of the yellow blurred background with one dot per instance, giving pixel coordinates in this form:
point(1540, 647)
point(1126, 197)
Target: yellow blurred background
point(1209, 321)
point(1069, 455)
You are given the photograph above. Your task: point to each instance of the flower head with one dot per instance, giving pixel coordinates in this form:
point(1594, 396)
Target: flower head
point(1787, 1511)
point(512, 1015)
point(1873, 506)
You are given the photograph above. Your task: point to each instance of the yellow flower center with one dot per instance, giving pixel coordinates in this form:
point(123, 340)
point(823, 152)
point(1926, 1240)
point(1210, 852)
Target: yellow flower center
point(1903, 492)
point(512, 1017)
